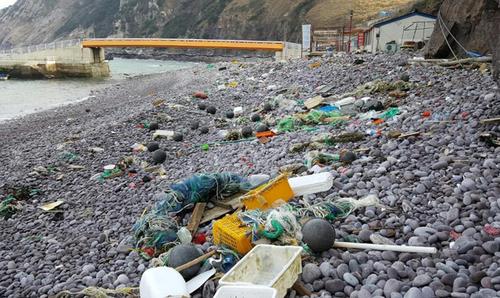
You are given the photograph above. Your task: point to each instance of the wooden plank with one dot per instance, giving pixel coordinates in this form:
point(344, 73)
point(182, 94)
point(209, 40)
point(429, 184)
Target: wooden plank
point(410, 134)
point(196, 216)
point(490, 121)
point(217, 212)
point(300, 289)
point(195, 261)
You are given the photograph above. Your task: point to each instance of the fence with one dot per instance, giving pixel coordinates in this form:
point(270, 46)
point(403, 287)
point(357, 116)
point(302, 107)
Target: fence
point(41, 47)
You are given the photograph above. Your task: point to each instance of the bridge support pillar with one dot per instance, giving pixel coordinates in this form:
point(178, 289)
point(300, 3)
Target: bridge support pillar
point(98, 55)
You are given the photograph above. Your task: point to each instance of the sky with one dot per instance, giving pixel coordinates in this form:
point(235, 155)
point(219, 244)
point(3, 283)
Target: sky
point(5, 3)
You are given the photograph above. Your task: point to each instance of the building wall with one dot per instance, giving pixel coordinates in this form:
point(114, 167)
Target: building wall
point(394, 32)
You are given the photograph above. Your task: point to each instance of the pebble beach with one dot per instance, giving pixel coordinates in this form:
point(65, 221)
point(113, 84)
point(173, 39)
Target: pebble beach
point(439, 186)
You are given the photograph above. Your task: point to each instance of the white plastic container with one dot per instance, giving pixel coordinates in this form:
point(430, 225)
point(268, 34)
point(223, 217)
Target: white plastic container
point(306, 185)
point(161, 282)
point(267, 265)
point(245, 292)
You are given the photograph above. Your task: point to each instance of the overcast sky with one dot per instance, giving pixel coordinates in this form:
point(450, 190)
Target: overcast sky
point(5, 3)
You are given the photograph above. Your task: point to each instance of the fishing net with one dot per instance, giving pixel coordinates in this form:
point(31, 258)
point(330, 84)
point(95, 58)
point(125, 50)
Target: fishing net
point(157, 229)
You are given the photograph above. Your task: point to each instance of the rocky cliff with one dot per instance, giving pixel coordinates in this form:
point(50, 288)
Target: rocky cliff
point(39, 21)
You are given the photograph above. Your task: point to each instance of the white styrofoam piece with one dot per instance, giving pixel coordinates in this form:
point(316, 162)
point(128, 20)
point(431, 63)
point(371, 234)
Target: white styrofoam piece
point(306, 185)
point(162, 282)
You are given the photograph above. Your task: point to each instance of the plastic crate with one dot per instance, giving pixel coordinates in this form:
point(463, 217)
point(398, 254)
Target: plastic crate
point(245, 292)
point(265, 195)
point(267, 265)
point(230, 232)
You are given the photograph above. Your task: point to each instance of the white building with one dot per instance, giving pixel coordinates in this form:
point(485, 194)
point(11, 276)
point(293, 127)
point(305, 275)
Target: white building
point(390, 34)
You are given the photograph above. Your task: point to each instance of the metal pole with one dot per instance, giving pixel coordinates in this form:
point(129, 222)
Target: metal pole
point(350, 31)
point(342, 44)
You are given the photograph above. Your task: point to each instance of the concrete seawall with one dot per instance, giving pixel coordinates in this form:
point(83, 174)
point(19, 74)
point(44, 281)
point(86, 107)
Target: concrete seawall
point(56, 63)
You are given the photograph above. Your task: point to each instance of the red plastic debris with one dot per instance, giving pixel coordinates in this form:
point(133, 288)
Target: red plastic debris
point(200, 238)
point(426, 114)
point(491, 230)
point(149, 251)
point(465, 115)
point(378, 121)
point(199, 94)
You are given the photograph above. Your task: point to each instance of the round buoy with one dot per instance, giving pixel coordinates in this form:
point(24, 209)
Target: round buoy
point(178, 137)
point(146, 179)
point(154, 126)
point(194, 125)
point(230, 114)
point(204, 130)
point(152, 147)
point(246, 132)
point(159, 156)
point(348, 157)
point(262, 128)
point(183, 254)
point(268, 107)
point(255, 118)
point(318, 234)
point(202, 106)
point(211, 110)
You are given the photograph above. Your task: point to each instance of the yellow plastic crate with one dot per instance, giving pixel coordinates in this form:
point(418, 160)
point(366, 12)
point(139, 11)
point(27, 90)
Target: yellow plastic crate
point(230, 232)
point(265, 195)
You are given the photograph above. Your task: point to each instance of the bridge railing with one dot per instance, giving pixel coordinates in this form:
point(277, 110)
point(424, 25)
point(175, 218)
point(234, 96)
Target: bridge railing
point(61, 44)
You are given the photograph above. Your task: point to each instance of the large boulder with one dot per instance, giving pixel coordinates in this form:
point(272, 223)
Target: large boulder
point(474, 23)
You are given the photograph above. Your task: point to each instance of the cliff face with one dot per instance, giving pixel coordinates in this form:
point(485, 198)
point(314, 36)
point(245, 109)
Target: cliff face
point(40, 21)
point(474, 23)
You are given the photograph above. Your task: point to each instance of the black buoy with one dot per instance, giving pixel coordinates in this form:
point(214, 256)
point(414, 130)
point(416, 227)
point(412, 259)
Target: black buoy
point(204, 130)
point(268, 107)
point(318, 234)
point(230, 114)
point(146, 179)
point(262, 128)
point(348, 157)
point(255, 118)
point(359, 61)
point(152, 147)
point(211, 110)
point(405, 77)
point(194, 125)
point(246, 132)
point(183, 254)
point(202, 106)
point(154, 126)
point(159, 156)
point(178, 137)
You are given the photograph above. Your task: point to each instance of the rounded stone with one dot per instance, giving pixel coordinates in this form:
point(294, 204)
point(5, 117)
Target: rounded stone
point(182, 254)
point(318, 234)
point(262, 128)
point(154, 126)
point(194, 125)
point(348, 157)
point(310, 273)
point(405, 77)
point(202, 106)
point(204, 130)
point(268, 107)
point(211, 110)
point(334, 285)
point(159, 156)
point(152, 147)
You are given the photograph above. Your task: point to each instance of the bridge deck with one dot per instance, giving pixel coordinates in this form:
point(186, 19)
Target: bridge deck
point(275, 46)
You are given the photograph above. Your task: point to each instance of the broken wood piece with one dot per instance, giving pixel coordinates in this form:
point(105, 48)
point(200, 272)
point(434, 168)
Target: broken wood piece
point(490, 121)
point(398, 248)
point(300, 289)
point(339, 118)
point(196, 216)
point(410, 134)
point(216, 212)
point(195, 261)
point(314, 102)
point(465, 61)
point(222, 205)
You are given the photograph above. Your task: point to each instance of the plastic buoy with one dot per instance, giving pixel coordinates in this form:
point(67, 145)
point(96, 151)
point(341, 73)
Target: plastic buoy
point(202, 106)
point(159, 156)
point(246, 132)
point(204, 130)
point(183, 254)
point(178, 137)
point(262, 128)
point(255, 118)
point(230, 114)
point(348, 157)
point(268, 107)
point(154, 126)
point(211, 110)
point(318, 234)
point(194, 125)
point(152, 147)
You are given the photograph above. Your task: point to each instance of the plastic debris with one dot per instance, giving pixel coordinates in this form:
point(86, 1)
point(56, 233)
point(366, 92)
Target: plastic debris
point(53, 205)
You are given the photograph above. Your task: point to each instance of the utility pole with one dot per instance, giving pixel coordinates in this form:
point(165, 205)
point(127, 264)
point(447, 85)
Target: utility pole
point(350, 31)
point(342, 44)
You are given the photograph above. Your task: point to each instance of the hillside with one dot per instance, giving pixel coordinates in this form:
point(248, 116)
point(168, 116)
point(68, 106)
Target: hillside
point(250, 19)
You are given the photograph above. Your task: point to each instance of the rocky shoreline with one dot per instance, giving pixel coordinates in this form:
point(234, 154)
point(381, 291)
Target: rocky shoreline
point(440, 187)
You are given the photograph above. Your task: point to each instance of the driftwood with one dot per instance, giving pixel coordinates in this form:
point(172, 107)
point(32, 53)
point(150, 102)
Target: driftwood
point(448, 62)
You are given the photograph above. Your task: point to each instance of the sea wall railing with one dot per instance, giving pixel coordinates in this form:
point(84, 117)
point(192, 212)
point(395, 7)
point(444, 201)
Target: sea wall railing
point(61, 44)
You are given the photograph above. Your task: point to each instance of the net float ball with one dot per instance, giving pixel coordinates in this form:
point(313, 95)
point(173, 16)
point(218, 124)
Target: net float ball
point(268, 107)
point(255, 118)
point(262, 128)
point(246, 132)
point(178, 137)
point(154, 126)
point(152, 147)
point(318, 234)
point(183, 254)
point(211, 110)
point(348, 157)
point(194, 125)
point(159, 156)
point(230, 115)
point(202, 106)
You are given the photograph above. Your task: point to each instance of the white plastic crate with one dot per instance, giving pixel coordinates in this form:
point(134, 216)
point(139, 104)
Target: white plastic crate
point(267, 265)
point(245, 292)
point(306, 185)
